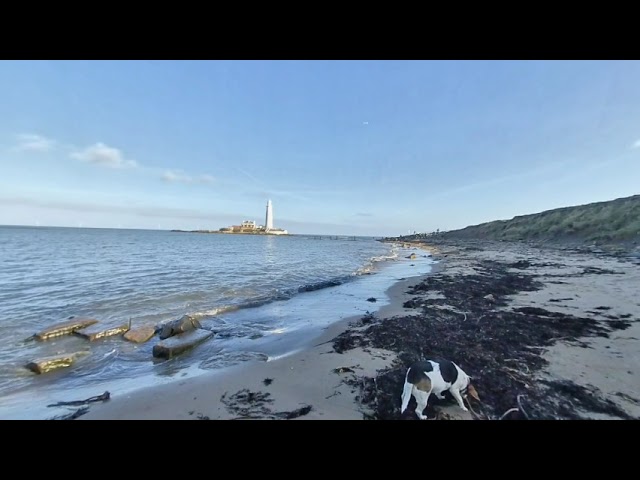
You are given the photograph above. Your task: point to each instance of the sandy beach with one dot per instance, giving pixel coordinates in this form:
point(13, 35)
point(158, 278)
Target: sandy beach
point(545, 333)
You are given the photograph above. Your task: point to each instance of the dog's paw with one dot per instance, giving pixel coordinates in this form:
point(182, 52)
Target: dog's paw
point(465, 409)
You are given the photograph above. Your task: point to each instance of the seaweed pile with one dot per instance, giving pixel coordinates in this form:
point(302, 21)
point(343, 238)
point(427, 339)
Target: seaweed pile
point(499, 348)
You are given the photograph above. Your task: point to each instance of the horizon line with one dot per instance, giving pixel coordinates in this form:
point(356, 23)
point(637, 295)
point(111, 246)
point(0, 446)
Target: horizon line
point(170, 230)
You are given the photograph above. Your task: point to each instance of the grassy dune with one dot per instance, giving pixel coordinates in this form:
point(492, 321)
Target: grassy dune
point(602, 223)
point(615, 221)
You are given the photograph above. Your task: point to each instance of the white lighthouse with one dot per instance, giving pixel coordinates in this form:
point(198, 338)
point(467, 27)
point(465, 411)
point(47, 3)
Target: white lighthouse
point(268, 223)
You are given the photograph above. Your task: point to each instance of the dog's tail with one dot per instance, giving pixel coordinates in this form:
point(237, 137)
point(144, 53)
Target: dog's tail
point(406, 394)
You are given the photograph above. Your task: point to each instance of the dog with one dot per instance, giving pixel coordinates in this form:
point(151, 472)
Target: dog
point(435, 376)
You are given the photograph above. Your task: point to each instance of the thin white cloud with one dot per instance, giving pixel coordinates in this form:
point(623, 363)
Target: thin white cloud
point(173, 176)
point(139, 210)
point(514, 177)
point(104, 156)
point(251, 177)
point(31, 142)
point(636, 144)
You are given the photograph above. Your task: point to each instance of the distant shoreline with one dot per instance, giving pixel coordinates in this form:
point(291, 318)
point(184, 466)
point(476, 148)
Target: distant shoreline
point(231, 233)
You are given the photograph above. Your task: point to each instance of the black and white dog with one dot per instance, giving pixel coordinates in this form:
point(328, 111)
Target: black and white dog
point(435, 376)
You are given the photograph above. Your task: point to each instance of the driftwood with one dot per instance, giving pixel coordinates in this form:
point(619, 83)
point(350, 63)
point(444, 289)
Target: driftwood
point(299, 412)
point(73, 415)
point(98, 398)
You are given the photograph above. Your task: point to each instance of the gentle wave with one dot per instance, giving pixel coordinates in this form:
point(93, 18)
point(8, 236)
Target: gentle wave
point(288, 293)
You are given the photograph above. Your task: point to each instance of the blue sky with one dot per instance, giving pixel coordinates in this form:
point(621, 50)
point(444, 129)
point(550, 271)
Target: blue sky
point(342, 147)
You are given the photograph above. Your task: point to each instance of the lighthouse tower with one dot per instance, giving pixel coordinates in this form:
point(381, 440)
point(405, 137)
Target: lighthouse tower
point(268, 223)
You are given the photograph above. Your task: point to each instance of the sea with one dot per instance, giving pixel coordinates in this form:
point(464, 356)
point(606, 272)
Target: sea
point(264, 296)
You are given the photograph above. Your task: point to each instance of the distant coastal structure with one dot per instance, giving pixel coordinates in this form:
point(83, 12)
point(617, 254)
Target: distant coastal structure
point(250, 227)
point(268, 222)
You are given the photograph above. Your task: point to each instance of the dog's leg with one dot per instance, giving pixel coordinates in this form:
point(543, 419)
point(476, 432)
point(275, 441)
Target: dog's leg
point(456, 395)
point(439, 396)
point(421, 403)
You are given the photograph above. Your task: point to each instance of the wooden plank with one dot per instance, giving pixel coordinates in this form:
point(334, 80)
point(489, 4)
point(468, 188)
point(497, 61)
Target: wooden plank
point(65, 328)
point(97, 332)
point(46, 364)
point(180, 343)
point(140, 334)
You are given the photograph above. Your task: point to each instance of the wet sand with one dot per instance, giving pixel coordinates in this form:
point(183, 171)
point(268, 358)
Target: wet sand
point(315, 377)
point(546, 334)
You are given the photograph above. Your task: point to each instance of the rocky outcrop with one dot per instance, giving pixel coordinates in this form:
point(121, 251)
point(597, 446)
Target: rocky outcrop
point(185, 324)
point(140, 334)
point(180, 343)
point(96, 333)
point(46, 364)
point(65, 328)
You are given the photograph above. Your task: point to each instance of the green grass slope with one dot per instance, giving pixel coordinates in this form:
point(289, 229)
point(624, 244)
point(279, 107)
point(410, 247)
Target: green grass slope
point(615, 221)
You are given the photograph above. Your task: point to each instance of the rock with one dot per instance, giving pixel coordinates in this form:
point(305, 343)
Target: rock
point(65, 328)
point(343, 370)
point(319, 286)
point(46, 364)
point(140, 334)
point(490, 297)
point(413, 256)
point(371, 299)
point(180, 343)
point(96, 333)
point(185, 324)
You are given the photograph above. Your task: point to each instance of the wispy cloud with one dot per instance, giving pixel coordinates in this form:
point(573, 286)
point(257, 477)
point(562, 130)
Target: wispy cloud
point(548, 169)
point(174, 176)
point(364, 214)
point(249, 176)
point(104, 156)
point(636, 144)
point(139, 210)
point(298, 192)
point(31, 142)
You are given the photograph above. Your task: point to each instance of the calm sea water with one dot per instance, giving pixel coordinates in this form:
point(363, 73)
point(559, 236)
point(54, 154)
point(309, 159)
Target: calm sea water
point(261, 294)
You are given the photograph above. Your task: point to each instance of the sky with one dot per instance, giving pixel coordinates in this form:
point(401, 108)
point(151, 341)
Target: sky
point(340, 147)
